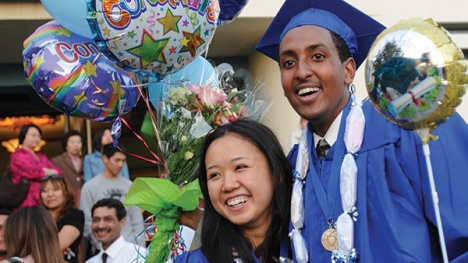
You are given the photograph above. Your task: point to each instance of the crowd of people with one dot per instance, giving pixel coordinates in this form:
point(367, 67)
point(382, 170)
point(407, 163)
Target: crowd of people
point(73, 226)
point(260, 205)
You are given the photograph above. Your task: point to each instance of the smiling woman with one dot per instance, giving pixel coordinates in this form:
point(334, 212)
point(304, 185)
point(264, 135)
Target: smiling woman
point(233, 180)
point(244, 177)
point(59, 199)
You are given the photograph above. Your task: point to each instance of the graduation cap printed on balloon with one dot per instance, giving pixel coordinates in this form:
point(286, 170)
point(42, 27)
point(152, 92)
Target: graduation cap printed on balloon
point(416, 74)
point(357, 29)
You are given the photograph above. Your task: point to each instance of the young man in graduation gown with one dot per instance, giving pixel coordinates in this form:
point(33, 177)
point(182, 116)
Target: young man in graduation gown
point(318, 45)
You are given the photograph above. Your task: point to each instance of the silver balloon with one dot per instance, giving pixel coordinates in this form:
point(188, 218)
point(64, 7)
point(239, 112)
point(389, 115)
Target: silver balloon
point(415, 74)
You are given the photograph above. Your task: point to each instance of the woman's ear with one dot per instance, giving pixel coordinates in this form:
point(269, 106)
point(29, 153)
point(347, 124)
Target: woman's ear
point(349, 70)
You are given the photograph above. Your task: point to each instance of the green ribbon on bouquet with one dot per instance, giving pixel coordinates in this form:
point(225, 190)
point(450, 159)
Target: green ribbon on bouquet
point(165, 201)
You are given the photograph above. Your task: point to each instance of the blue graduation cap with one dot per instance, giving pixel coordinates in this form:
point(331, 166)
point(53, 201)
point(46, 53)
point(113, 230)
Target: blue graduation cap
point(357, 29)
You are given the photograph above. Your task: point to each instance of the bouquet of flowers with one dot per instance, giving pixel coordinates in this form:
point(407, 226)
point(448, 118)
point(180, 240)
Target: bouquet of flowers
point(186, 112)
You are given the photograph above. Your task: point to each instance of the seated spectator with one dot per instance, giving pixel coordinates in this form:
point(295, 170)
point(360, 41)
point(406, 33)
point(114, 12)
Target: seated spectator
point(26, 163)
point(71, 162)
point(109, 217)
point(31, 237)
point(93, 165)
point(58, 197)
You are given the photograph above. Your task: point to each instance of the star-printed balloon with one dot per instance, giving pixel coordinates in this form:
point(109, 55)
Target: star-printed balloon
point(71, 75)
point(155, 37)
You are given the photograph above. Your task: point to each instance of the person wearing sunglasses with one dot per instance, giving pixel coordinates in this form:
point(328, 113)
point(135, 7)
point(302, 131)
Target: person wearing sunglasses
point(58, 197)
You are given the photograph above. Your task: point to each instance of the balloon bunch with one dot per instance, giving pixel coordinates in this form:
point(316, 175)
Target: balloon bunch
point(89, 61)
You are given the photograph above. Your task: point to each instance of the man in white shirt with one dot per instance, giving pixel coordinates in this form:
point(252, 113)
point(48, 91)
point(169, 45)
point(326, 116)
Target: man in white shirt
point(108, 219)
point(110, 184)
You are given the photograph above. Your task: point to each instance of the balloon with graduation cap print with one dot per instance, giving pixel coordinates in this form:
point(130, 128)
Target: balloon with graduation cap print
point(415, 74)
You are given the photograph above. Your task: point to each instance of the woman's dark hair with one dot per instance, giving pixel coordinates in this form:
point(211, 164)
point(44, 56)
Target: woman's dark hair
point(24, 129)
point(5, 212)
point(67, 136)
point(120, 211)
point(61, 182)
point(219, 236)
point(97, 137)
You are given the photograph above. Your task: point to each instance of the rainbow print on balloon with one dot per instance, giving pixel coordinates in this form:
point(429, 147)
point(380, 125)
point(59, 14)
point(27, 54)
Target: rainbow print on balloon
point(71, 75)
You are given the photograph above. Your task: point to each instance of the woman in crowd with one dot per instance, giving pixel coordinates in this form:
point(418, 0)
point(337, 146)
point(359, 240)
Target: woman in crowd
point(71, 162)
point(31, 237)
point(58, 197)
point(26, 163)
point(93, 164)
point(246, 183)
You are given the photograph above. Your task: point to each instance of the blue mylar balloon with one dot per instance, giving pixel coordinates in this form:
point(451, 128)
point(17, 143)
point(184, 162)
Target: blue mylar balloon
point(199, 72)
point(71, 14)
point(230, 10)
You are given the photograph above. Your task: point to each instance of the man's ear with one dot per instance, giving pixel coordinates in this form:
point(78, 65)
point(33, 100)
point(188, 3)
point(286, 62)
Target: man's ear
point(122, 222)
point(349, 70)
point(104, 159)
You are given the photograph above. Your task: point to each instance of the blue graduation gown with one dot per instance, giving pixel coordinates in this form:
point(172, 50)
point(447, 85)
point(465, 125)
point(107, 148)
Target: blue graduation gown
point(197, 256)
point(396, 221)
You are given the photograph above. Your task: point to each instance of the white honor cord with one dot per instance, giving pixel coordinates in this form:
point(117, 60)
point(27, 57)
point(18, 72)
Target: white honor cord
point(297, 200)
point(354, 132)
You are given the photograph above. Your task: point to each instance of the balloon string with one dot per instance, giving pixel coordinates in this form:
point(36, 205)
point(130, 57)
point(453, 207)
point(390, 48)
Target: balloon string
point(155, 130)
point(176, 82)
point(157, 159)
point(135, 86)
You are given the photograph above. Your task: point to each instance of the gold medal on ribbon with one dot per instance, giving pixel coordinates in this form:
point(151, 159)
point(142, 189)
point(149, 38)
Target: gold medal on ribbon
point(330, 239)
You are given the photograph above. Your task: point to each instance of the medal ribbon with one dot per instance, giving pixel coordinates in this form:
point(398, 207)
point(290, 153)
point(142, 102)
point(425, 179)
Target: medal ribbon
point(327, 200)
point(297, 200)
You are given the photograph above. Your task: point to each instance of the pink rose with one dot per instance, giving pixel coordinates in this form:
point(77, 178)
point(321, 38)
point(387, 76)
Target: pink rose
point(210, 97)
point(194, 89)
